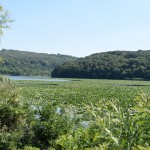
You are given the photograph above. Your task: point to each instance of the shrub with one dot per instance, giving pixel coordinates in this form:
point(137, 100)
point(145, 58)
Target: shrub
point(12, 118)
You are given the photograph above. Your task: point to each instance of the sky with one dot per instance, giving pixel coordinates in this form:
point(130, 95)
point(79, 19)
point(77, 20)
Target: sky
point(77, 27)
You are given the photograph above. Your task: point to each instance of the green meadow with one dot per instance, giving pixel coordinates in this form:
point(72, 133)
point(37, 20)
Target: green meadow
point(79, 114)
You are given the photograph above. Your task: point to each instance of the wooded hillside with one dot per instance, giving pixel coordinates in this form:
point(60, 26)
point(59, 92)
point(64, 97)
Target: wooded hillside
point(108, 65)
point(29, 63)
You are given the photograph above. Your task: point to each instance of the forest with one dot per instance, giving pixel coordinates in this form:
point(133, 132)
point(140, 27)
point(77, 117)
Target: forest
point(108, 65)
point(16, 62)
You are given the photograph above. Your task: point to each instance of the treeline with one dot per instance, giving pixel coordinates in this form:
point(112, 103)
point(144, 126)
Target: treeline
point(108, 65)
point(28, 63)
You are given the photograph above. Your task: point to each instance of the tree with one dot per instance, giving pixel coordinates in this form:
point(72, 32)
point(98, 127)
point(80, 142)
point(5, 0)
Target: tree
point(5, 20)
point(108, 65)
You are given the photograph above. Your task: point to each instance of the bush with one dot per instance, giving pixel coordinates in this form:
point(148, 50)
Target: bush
point(12, 115)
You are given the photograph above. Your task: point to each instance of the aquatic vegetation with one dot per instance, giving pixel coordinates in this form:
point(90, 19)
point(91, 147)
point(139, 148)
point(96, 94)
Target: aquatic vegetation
point(85, 114)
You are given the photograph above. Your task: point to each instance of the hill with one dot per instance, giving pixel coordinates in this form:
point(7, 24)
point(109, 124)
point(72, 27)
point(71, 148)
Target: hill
point(28, 63)
point(108, 65)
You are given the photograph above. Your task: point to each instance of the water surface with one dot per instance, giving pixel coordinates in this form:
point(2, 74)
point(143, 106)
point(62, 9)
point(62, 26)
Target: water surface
point(36, 78)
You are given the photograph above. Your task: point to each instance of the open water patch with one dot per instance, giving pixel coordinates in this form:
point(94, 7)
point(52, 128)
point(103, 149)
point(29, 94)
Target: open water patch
point(34, 78)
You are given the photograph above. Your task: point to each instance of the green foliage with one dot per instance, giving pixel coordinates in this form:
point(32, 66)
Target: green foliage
point(1, 60)
point(5, 20)
point(108, 65)
point(114, 126)
point(141, 148)
point(12, 116)
point(75, 115)
point(109, 121)
point(48, 125)
point(28, 63)
point(30, 148)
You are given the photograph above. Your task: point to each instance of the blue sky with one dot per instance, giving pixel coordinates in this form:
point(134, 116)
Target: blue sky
point(77, 27)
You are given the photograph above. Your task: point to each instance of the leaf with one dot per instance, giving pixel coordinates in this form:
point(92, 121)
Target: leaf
point(112, 137)
point(108, 131)
point(115, 140)
point(114, 107)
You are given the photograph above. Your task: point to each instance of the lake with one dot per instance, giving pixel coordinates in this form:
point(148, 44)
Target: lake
point(36, 78)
